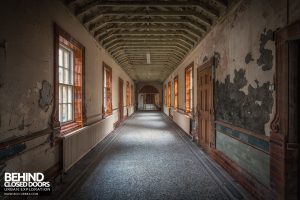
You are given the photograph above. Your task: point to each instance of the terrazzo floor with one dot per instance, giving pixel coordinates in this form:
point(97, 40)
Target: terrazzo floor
point(149, 157)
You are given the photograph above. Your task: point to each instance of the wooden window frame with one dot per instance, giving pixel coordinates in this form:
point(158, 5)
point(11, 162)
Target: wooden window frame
point(108, 112)
point(169, 94)
point(165, 95)
point(189, 109)
point(127, 94)
point(132, 95)
point(62, 38)
point(176, 99)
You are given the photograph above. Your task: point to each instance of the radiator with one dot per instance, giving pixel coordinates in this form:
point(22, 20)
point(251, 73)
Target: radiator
point(80, 142)
point(182, 120)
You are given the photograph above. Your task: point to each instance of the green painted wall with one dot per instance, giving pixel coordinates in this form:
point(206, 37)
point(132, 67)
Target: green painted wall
point(252, 160)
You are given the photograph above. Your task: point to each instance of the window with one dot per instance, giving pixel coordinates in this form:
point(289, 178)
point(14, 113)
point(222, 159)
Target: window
point(132, 95)
point(107, 90)
point(69, 83)
point(176, 92)
point(165, 95)
point(66, 84)
point(169, 94)
point(189, 88)
point(127, 94)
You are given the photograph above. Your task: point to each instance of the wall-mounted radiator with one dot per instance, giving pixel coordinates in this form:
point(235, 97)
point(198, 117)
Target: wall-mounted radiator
point(78, 143)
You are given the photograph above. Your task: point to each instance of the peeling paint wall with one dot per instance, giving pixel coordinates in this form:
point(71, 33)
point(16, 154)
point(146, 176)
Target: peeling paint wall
point(243, 39)
point(243, 46)
point(26, 79)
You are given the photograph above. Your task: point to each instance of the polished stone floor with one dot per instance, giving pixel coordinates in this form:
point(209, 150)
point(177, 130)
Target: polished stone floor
point(149, 157)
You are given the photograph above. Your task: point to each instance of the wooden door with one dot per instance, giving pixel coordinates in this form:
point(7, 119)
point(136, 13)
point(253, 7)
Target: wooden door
point(121, 106)
point(204, 107)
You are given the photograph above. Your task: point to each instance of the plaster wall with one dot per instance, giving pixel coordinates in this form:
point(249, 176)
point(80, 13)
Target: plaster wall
point(26, 62)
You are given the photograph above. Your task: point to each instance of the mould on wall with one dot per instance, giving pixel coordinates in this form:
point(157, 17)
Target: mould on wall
point(266, 58)
point(248, 58)
point(251, 111)
point(45, 96)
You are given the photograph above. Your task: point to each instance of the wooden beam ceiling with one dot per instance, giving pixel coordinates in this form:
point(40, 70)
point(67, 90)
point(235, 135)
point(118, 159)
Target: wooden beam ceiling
point(167, 29)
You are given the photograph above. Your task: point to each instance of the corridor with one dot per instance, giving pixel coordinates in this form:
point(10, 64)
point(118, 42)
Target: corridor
point(148, 157)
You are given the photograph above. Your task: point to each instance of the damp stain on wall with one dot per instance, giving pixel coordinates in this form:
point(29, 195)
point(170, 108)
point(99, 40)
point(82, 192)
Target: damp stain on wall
point(248, 58)
point(265, 59)
point(11, 151)
point(217, 57)
point(45, 96)
point(250, 111)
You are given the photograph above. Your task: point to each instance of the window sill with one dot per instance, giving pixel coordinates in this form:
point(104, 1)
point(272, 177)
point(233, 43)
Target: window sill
point(105, 115)
point(68, 128)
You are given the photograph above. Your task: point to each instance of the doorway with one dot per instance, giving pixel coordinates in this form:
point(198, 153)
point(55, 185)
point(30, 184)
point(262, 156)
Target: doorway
point(285, 138)
point(121, 104)
point(205, 104)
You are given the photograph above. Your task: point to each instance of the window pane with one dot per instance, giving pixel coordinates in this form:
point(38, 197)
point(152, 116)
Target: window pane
point(60, 57)
point(64, 94)
point(60, 72)
point(64, 113)
point(104, 78)
point(70, 96)
point(70, 112)
point(66, 76)
point(66, 59)
point(60, 94)
point(71, 76)
point(60, 112)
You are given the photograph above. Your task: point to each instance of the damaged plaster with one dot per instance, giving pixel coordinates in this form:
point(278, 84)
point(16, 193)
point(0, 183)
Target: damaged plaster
point(45, 96)
point(248, 58)
point(250, 111)
point(266, 58)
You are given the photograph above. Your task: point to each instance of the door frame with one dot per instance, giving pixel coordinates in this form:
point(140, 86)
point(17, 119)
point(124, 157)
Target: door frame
point(212, 135)
point(280, 148)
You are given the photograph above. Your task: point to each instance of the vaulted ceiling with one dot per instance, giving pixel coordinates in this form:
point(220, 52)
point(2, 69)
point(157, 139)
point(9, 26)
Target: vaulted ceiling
point(166, 29)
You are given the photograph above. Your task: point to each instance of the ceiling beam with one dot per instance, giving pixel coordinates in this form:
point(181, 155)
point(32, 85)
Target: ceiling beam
point(100, 24)
point(127, 46)
point(145, 33)
point(174, 54)
point(178, 44)
point(150, 40)
point(204, 7)
point(149, 28)
point(191, 13)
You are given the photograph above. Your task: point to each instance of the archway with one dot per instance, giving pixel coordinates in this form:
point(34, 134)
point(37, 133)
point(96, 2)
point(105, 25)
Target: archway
point(148, 98)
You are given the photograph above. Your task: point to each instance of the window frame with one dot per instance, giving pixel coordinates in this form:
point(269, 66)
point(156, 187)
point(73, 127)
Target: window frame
point(132, 95)
point(127, 93)
point(79, 115)
point(72, 85)
point(176, 99)
point(169, 94)
point(165, 95)
point(189, 69)
point(105, 112)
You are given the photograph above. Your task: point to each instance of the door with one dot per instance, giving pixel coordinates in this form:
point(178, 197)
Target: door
point(121, 106)
point(204, 107)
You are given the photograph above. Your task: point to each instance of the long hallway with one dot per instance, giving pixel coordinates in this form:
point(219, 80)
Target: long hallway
point(148, 157)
